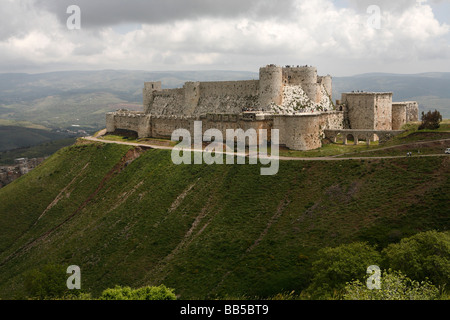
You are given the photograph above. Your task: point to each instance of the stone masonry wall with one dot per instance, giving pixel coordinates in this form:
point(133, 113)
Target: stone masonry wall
point(368, 110)
point(163, 127)
point(234, 97)
point(383, 111)
point(130, 121)
point(412, 111)
point(227, 97)
point(168, 102)
point(306, 132)
point(301, 132)
point(197, 98)
point(398, 116)
point(403, 113)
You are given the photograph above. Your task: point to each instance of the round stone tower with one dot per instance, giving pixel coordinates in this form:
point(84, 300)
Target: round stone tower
point(296, 76)
point(306, 77)
point(270, 86)
point(327, 83)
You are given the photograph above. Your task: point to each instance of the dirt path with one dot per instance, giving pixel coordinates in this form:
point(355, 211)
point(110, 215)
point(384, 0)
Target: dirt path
point(330, 158)
point(393, 147)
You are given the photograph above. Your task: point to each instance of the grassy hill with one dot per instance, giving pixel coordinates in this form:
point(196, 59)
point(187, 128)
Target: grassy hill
point(131, 217)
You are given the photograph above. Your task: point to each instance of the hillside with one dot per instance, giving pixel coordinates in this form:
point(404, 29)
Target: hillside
point(130, 217)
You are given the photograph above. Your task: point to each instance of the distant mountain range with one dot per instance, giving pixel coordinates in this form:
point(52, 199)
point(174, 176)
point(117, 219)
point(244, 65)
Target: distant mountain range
point(431, 90)
point(81, 98)
point(64, 99)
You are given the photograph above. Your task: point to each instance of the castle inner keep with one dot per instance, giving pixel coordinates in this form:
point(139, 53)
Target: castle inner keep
point(292, 99)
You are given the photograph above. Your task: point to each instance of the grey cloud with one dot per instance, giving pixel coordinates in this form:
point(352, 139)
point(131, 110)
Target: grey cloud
point(395, 6)
point(100, 13)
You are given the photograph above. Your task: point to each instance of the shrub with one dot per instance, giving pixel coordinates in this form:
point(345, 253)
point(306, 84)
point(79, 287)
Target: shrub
point(145, 293)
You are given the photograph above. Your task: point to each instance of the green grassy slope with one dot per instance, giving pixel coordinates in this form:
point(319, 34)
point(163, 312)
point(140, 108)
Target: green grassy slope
point(207, 231)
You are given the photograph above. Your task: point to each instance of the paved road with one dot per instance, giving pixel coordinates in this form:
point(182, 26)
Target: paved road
point(281, 158)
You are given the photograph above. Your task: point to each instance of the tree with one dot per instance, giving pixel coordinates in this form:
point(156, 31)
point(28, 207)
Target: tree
point(394, 286)
point(334, 267)
point(431, 120)
point(425, 255)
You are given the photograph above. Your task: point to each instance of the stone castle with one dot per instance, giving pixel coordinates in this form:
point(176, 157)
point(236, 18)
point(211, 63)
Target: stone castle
point(292, 99)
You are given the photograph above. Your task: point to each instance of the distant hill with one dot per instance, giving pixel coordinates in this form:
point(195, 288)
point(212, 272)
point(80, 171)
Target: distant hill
point(133, 218)
point(431, 90)
point(14, 137)
point(36, 151)
point(63, 99)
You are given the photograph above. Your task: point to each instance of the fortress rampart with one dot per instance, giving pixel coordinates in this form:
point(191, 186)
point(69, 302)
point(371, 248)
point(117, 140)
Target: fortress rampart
point(296, 132)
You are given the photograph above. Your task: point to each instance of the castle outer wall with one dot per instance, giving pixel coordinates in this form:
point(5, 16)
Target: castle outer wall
point(296, 132)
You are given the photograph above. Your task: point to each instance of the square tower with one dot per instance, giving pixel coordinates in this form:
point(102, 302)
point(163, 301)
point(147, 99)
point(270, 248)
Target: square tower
point(149, 89)
point(369, 110)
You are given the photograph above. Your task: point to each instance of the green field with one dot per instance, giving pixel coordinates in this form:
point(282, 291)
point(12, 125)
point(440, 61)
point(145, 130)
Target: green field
point(207, 231)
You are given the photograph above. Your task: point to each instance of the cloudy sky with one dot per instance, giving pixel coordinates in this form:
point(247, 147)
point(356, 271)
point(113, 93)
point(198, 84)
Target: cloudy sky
point(340, 37)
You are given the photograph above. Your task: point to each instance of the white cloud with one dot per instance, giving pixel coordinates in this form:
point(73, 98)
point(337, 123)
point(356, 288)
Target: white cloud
point(316, 31)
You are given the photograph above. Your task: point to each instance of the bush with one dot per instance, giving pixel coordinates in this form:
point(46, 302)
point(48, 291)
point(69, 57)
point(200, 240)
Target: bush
point(334, 267)
point(145, 293)
point(425, 255)
point(49, 282)
point(431, 120)
point(394, 286)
